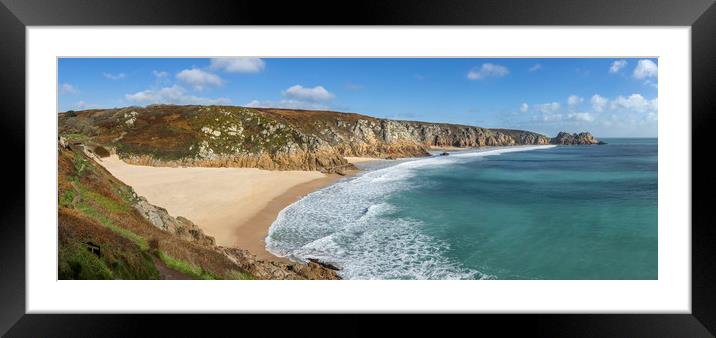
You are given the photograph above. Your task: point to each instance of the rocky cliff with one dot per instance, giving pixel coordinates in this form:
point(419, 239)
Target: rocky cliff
point(168, 135)
point(575, 139)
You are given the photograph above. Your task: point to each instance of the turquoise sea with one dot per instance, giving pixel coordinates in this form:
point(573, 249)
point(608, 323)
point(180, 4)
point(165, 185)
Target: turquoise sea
point(534, 212)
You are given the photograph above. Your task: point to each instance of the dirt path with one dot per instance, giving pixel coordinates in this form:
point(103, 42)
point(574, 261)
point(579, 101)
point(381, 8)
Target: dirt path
point(167, 273)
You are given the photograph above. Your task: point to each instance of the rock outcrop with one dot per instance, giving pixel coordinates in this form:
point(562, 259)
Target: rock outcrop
point(575, 139)
point(179, 226)
point(276, 139)
point(278, 270)
point(259, 269)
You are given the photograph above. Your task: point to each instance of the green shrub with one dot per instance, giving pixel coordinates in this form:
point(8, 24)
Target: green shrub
point(76, 262)
point(65, 200)
point(80, 163)
point(104, 202)
point(240, 275)
point(185, 267)
point(90, 212)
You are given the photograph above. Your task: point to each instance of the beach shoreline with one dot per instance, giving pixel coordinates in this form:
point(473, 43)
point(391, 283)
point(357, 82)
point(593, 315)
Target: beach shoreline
point(236, 206)
point(252, 234)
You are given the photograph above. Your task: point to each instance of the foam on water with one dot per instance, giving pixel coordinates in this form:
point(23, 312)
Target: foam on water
point(350, 224)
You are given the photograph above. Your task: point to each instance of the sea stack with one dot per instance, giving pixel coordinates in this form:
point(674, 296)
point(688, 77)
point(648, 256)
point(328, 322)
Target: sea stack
point(565, 138)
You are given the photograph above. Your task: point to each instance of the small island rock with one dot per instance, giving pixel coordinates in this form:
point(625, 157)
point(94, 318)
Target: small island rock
point(565, 138)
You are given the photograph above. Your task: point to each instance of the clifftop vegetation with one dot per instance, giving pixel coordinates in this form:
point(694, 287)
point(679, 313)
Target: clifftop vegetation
point(267, 138)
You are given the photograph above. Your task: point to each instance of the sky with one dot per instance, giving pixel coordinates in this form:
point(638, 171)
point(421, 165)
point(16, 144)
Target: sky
point(605, 96)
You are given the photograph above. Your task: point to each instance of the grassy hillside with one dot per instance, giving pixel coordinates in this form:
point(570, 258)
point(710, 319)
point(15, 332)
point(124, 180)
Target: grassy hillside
point(96, 209)
point(175, 132)
point(267, 138)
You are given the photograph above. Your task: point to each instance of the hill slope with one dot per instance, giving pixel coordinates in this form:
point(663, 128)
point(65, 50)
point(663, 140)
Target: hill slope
point(106, 231)
point(268, 138)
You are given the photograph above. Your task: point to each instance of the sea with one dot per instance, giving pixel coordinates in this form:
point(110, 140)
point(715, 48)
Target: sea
point(518, 213)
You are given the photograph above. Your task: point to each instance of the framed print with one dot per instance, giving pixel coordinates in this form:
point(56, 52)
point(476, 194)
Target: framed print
point(507, 162)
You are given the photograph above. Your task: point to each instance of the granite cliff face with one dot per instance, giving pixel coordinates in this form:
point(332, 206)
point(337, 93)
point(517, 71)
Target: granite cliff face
point(179, 226)
point(167, 135)
point(575, 139)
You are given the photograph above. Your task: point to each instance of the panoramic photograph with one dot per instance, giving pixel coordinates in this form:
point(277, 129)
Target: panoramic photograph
point(249, 168)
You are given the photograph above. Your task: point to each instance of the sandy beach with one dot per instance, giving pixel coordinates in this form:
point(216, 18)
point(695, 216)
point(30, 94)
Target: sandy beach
point(446, 148)
point(235, 205)
point(355, 160)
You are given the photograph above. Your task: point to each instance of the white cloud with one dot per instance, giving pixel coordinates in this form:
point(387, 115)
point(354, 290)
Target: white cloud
point(160, 74)
point(634, 103)
point(645, 69)
point(67, 88)
point(617, 66)
point(599, 103)
point(535, 68)
point(317, 93)
point(288, 104)
point(173, 95)
point(574, 100)
point(524, 107)
point(110, 76)
point(623, 115)
point(547, 108)
point(548, 112)
point(238, 65)
point(487, 70)
point(570, 117)
point(549, 117)
point(198, 78)
point(581, 117)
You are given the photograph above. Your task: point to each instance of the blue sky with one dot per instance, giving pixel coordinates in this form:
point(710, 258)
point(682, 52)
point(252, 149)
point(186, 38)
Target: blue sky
point(609, 97)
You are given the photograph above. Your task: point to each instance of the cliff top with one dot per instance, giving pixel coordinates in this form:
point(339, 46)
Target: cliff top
point(270, 138)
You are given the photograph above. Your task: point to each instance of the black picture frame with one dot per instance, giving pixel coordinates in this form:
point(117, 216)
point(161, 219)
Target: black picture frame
point(700, 15)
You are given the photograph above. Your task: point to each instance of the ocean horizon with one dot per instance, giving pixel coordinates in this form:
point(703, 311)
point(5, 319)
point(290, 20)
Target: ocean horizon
point(522, 212)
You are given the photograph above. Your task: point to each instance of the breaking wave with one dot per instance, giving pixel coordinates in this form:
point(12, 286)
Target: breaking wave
point(352, 225)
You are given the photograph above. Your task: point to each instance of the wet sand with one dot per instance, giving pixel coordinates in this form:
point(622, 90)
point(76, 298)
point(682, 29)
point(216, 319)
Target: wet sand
point(354, 160)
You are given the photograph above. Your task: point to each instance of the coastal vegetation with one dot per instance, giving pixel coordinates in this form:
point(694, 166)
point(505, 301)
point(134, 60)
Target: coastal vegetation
point(107, 231)
point(274, 139)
